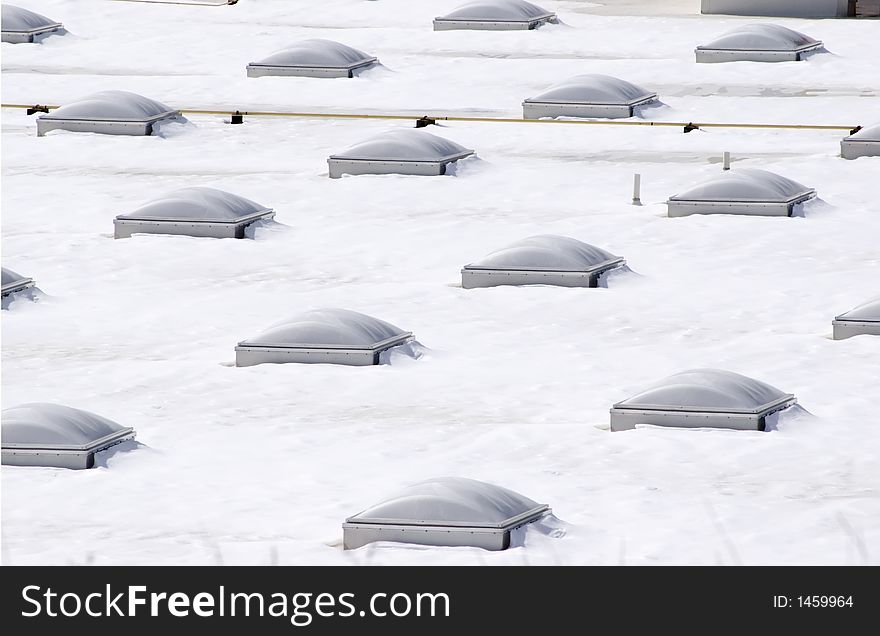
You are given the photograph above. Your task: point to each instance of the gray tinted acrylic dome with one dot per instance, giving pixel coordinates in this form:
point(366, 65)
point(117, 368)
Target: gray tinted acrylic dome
point(108, 112)
point(334, 336)
point(758, 43)
point(862, 143)
point(445, 511)
point(745, 191)
point(195, 211)
point(21, 25)
point(702, 398)
point(42, 434)
point(313, 58)
point(591, 95)
point(402, 151)
point(495, 15)
point(541, 260)
point(861, 320)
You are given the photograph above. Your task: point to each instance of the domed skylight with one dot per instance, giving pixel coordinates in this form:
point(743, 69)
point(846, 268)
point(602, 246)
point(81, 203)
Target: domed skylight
point(41, 434)
point(702, 398)
point(744, 191)
point(108, 112)
point(448, 511)
point(863, 143)
point(402, 151)
point(541, 260)
point(333, 336)
point(861, 320)
point(194, 211)
point(21, 25)
point(313, 58)
point(495, 15)
point(591, 95)
point(758, 43)
point(14, 285)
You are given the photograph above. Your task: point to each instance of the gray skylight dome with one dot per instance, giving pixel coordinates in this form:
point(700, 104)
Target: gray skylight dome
point(448, 511)
point(862, 143)
point(495, 15)
point(861, 320)
point(758, 43)
point(702, 398)
point(313, 58)
point(401, 151)
point(14, 285)
point(744, 191)
point(42, 434)
point(591, 95)
point(541, 260)
point(108, 112)
point(194, 211)
point(21, 25)
point(332, 336)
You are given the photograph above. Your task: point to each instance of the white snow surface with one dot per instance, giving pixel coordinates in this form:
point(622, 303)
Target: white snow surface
point(516, 388)
point(497, 11)
point(403, 145)
point(20, 20)
point(196, 204)
point(316, 52)
point(331, 327)
point(868, 311)
point(761, 37)
point(556, 253)
point(744, 184)
point(705, 388)
point(592, 89)
point(54, 424)
point(110, 105)
point(450, 500)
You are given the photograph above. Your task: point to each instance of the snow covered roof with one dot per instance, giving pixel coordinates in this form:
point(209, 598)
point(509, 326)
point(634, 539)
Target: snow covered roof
point(593, 89)
point(328, 329)
point(762, 37)
point(497, 11)
point(54, 426)
point(866, 312)
point(546, 252)
point(111, 106)
point(706, 390)
point(404, 145)
point(452, 501)
point(868, 133)
point(198, 204)
point(317, 53)
point(745, 185)
point(16, 19)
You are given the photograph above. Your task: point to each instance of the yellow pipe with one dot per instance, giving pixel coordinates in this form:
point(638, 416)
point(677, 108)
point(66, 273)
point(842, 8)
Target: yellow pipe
point(502, 120)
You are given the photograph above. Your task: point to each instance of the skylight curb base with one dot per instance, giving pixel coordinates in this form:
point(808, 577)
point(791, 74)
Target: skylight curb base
point(855, 148)
point(268, 70)
point(442, 24)
point(73, 458)
point(478, 277)
point(709, 56)
point(623, 419)
point(778, 8)
point(28, 37)
point(341, 166)
point(683, 207)
point(17, 286)
point(538, 109)
point(843, 329)
point(141, 128)
point(247, 355)
point(358, 533)
point(125, 228)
